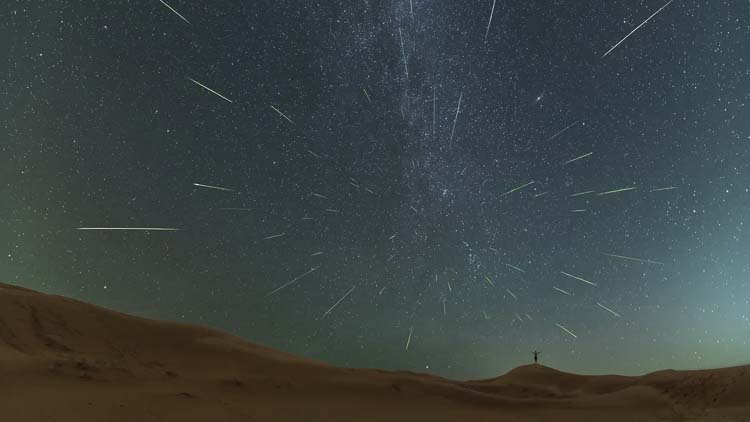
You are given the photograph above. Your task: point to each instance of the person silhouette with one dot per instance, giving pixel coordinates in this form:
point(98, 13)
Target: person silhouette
point(535, 355)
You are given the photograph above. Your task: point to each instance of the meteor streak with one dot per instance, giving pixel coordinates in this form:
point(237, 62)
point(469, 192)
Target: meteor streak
point(578, 278)
point(339, 301)
point(647, 261)
point(662, 189)
point(283, 115)
point(434, 105)
point(492, 12)
point(566, 330)
point(608, 310)
point(515, 268)
point(147, 229)
point(562, 291)
point(636, 28)
point(616, 191)
point(455, 119)
point(175, 12)
point(562, 131)
point(403, 52)
point(515, 189)
point(577, 158)
point(209, 89)
point(212, 187)
point(581, 193)
point(274, 236)
point(294, 280)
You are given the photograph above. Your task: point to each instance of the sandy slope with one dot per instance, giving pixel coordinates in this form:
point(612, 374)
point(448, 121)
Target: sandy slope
point(64, 360)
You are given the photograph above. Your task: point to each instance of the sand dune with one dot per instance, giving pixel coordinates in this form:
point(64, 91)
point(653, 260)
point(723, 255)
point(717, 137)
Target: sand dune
point(64, 360)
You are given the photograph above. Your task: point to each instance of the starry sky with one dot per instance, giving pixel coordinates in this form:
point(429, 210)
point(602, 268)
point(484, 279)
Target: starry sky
point(431, 186)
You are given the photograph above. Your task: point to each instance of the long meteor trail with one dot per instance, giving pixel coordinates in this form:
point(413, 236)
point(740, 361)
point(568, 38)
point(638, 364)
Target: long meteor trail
point(200, 185)
point(492, 12)
point(294, 280)
point(434, 105)
point(408, 340)
point(565, 292)
point(512, 294)
point(283, 115)
point(515, 189)
point(339, 301)
point(175, 12)
point(209, 89)
point(647, 261)
point(515, 268)
point(616, 191)
point(577, 158)
point(274, 236)
point(566, 330)
point(578, 278)
point(403, 52)
point(663, 189)
point(455, 119)
point(147, 229)
point(636, 28)
point(562, 131)
point(608, 310)
point(581, 193)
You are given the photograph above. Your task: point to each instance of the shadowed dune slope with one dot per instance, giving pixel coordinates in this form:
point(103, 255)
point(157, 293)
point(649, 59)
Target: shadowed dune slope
point(65, 360)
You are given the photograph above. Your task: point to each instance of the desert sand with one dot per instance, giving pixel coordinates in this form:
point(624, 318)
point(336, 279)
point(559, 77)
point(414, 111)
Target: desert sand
point(65, 360)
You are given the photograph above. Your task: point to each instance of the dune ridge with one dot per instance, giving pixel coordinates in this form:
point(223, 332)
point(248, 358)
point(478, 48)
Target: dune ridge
point(65, 360)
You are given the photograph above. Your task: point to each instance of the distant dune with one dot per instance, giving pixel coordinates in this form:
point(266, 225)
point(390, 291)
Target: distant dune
point(64, 360)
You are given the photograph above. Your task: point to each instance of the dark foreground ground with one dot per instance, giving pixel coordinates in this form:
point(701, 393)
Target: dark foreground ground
point(64, 360)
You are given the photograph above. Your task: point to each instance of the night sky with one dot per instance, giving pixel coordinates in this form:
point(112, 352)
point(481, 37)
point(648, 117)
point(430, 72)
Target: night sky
point(403, 186)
